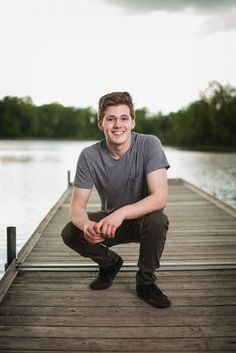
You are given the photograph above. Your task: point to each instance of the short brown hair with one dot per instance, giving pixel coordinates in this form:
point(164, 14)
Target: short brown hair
point(115, 98)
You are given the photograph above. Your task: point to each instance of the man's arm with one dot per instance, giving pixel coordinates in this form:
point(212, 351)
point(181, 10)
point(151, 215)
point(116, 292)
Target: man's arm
point(158, 189)
point(79, 216)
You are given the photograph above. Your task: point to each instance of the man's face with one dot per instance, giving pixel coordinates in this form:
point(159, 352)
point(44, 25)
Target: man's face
point(117, 124)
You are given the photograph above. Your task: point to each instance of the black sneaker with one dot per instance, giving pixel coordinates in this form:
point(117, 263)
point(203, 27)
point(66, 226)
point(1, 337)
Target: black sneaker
point(152, 295)
point(106, 275)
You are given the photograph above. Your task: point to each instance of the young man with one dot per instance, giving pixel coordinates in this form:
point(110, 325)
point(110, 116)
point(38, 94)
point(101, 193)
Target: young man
point(129, 173)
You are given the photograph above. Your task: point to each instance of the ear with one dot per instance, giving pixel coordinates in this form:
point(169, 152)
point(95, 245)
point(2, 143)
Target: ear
point(100, 125)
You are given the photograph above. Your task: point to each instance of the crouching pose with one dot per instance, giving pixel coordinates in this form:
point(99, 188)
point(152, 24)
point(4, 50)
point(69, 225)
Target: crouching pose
point(129, 172)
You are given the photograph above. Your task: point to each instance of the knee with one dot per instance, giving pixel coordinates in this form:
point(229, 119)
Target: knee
point(156, 220)
point(69, 233)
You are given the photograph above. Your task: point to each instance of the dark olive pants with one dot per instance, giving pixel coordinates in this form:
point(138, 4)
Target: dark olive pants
point(149, 230)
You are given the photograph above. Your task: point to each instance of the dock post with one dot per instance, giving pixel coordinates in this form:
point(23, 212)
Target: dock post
point(11, 246)
point(68, 178)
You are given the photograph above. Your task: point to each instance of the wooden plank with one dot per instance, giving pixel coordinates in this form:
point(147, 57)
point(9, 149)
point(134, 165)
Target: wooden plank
point(132, 300)
point(230, 210)
point(151, 332)
point(135, 320)
point(119, 285)
point(25, 251)
point(72, 351)
point(46, 314)
point(118, 294)
point(7, 279)
point(57, 312)
point(118, 344)
point(199, 231)
point(195, 275)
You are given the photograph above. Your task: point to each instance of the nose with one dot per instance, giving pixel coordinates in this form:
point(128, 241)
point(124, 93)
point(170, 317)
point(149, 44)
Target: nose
point(117, 123)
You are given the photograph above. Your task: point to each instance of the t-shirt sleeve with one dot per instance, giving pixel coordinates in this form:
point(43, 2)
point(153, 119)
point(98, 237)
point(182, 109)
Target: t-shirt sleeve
point(155, 157)
point(83, 178)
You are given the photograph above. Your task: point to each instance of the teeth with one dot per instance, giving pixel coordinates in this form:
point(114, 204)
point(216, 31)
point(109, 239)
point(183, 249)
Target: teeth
point(118, 132)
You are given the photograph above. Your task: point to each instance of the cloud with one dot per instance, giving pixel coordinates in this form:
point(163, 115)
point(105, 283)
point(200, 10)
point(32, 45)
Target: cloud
point(224, 21)
point(174, 5)
point(217, 15)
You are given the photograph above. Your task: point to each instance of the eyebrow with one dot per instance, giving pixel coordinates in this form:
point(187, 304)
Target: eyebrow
point(114, 116)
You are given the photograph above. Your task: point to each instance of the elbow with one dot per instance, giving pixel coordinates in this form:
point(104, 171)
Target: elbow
point(164, 204)
point(164, 201)
point(161, 202)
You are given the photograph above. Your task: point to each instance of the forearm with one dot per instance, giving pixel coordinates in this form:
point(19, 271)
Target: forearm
point(79, 217)
point(147, 205)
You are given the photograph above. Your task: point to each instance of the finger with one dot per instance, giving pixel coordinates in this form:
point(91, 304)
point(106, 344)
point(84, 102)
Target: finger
point(104, 229)
point(94, 240)
point(109, 231)
point(98, 241)
point(93, 232)
point(113, 231)
point(89, 235)
point(88, 239)
point(98, 226)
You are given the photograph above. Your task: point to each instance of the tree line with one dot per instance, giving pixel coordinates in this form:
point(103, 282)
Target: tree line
point(208, 122)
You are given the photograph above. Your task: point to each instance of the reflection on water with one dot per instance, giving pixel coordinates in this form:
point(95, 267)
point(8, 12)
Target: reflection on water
point(215, 172)
point(9, 159)
point(33, 175)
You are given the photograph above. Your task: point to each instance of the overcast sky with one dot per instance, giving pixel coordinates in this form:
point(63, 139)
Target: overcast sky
point(164, 52)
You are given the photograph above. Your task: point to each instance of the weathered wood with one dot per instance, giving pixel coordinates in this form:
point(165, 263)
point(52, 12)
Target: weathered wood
point(116, 295)
point(72, 351)
point(200, 230)
point(107, 314)
point(7, 279)
point(115, 321)
point(114, 302)
point(55, 311)
point(117, 332)
point(119, 344)
point(230, 210)
point(25, 251)
point(83, 285)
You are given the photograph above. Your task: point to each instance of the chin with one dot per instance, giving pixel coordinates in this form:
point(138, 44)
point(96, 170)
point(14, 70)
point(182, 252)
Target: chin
point(119, 141)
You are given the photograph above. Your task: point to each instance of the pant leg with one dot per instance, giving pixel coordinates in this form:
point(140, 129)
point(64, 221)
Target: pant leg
point(73, 237)
point(152, 232)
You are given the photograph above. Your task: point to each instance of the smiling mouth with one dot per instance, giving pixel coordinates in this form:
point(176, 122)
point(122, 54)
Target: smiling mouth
point(118, 133)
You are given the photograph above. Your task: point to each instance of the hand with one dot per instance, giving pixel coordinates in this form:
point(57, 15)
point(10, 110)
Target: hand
point(91, 234)
point(108, 225)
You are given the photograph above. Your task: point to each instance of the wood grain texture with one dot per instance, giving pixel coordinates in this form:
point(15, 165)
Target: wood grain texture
point(199, 230)
point(55, 311)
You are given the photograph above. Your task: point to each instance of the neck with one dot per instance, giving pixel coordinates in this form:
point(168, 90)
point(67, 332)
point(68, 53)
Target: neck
point(117, 150)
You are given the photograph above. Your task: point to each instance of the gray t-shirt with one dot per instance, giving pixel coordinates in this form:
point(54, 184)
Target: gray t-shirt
point(120, 182)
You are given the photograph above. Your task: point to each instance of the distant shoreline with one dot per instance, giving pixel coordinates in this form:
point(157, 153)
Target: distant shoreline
point(183, 148)
point(205, 148)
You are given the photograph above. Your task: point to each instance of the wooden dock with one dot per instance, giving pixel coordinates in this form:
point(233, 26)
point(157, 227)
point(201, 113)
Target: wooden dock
point(47, 306)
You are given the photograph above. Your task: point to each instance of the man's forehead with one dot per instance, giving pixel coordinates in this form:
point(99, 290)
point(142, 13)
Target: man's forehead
point(121, 109)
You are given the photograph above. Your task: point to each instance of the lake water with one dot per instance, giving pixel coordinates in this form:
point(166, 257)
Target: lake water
point(33, 175)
